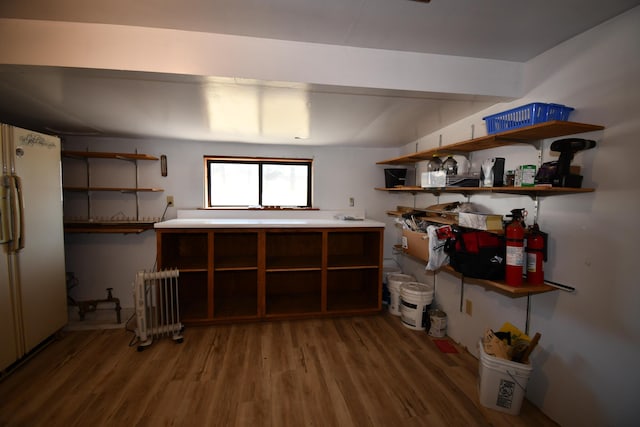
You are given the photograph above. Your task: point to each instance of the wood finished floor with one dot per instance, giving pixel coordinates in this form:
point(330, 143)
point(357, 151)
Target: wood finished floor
point(352, 371)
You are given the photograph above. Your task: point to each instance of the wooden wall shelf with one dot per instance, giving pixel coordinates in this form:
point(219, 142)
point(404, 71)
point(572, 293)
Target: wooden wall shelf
point(107, 227)
point(92, 224)
point(522, 191)
point(120, 189)
point(526, 134)
point(501, 286)
point(107, 155)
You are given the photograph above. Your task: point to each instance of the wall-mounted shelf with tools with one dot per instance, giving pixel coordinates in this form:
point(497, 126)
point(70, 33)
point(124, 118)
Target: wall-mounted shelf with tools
point(568, 183)
point(527, 134)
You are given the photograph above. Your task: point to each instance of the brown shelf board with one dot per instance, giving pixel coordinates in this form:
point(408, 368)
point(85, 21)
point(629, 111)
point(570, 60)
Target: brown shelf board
point(238, 306)
point(193, 312)
point(526, 134)
point(247, 268)
point(351, 301)
point(121, 189)
point(107, 227)
point(300, 263)
point(501, 286)
point(525, 191)
point(107, 155)
point(293, 304)
point(363, 266)
point(541, 191)
point(235, 263)
point(344, 260)
point(192, 270)
point(283, 269)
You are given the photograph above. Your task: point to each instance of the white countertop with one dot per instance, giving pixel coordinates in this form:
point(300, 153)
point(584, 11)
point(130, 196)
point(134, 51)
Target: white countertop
point(267, 223)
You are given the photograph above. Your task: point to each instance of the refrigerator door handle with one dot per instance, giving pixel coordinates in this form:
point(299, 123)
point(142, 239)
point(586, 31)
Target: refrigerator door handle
point(17, 215)
point(20, 207)
point(5, 209)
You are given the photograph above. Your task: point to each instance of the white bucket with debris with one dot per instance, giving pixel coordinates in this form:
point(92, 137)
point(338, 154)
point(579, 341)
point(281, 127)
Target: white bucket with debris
point(503, 383)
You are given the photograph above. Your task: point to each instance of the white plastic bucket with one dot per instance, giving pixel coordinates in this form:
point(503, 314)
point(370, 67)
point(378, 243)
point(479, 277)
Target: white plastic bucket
point(395, 281)
point(415, 299)
point(502, 383)
point(386, 271)
point(438, 323)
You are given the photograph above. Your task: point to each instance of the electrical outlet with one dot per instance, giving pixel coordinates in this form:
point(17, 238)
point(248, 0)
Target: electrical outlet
point(352, 201)
point(169, 200)
point(468, 307)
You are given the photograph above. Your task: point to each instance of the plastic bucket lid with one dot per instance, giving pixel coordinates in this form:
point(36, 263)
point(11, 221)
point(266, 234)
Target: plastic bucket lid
point(401, 277)
point(387, 271)
point(396, 279)
point(417, 290)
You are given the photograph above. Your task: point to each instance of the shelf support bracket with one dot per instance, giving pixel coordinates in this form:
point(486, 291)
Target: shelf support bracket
point(526, 324)
point(461, 292)
point(536, 208)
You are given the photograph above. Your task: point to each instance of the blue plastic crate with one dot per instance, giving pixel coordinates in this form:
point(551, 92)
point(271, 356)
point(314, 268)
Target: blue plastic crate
point(526, 115)
point(558, 112)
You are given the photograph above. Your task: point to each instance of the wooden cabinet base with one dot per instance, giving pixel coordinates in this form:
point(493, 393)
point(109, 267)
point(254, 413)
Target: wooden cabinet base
point(240, 275)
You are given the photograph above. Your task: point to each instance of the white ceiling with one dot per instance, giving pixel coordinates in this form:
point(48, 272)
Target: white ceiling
point(159, 104)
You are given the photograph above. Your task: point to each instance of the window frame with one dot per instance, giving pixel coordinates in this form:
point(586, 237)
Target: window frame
point(260, 161)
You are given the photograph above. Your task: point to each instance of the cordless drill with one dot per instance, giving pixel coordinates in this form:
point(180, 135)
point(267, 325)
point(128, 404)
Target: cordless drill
point(558, 173)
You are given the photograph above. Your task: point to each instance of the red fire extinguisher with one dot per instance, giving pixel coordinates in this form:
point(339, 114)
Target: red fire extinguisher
point(535, 255)
point(515, 248)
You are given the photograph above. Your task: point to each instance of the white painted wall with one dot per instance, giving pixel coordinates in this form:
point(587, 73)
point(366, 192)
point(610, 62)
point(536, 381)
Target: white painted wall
point(120, 47)
point(111, 260)
point(586, 366)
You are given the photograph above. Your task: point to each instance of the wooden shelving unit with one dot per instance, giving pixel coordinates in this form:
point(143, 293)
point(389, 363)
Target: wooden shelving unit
point(253, 274)
point(117, 225)
point(528, 135)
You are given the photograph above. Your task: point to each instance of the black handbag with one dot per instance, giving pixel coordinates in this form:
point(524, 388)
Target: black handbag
point(476, 253)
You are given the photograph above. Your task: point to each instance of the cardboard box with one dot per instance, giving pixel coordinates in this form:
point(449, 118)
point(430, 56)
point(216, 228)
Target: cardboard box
point(416, 244)
point(479, 221)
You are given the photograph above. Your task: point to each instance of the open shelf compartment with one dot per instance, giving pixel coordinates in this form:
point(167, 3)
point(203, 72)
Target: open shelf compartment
point(293, 292)
point(237, 250)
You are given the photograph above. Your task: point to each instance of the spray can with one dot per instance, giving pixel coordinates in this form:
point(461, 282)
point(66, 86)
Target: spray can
point(515, 248)
point(535, 255)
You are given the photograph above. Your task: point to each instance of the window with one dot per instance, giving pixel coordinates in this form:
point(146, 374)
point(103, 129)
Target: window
point(236, 182)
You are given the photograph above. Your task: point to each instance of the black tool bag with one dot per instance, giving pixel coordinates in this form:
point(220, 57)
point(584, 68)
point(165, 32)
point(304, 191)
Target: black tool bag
point(478, 254)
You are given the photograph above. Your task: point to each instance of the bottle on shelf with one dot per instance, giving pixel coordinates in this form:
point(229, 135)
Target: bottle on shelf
point(435, 164)
point(450, 166)
point(435, 176)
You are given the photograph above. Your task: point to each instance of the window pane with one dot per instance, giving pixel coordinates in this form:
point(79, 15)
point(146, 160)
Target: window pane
point(234, 184)
point(284, 185)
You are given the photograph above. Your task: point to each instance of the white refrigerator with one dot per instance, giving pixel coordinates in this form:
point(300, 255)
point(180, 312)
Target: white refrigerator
point(33, 298)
